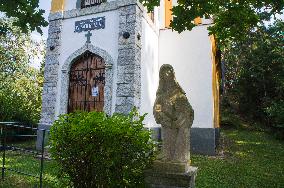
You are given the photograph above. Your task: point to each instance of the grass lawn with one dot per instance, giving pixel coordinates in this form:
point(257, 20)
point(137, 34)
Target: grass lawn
point(27, 163)
point(246, 159)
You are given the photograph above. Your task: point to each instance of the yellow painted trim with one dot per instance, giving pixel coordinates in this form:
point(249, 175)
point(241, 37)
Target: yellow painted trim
point(57, 6)
point(168, 12)
point(197, 21)
point(215, 83)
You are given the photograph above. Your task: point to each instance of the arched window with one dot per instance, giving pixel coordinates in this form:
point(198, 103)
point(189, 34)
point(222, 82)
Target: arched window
point(89, 3)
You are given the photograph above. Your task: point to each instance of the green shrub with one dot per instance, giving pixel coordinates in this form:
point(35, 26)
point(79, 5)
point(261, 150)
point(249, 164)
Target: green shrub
point(276, 113)
point(94, 150)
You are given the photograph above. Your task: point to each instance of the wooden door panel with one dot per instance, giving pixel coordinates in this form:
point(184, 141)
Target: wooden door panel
point(86, 73)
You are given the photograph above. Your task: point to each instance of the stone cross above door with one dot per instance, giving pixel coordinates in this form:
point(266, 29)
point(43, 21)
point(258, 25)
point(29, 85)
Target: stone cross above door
point(88, 36)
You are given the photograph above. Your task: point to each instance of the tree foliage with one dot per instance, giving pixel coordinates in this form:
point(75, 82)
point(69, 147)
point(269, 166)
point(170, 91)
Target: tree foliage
point(96, 150)
point(232, 19)
point(20, 84)
point(29, 16)
point(255, 75)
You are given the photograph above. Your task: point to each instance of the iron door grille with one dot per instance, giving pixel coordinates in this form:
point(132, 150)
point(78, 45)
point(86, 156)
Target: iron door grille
point(86, 84)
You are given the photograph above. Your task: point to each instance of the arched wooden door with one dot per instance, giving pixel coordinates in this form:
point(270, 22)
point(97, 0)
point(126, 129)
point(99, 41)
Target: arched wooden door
point(86, 84)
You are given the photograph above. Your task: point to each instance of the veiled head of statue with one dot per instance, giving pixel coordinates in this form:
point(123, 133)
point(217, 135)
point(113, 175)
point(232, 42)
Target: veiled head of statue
point(168, 84)
point(167, 72)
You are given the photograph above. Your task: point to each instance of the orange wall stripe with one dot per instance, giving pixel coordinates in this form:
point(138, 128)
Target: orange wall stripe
point(168, 12)
point(57, 6)
point(197, 21)
point(215, 83)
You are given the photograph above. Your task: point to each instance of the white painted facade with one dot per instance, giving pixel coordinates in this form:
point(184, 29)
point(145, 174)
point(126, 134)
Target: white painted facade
point(103, 39)
point(189, 53)
point(149, 70)
point(70, 4)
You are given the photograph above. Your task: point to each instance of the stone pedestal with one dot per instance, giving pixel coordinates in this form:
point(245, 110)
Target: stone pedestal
point(170, 175)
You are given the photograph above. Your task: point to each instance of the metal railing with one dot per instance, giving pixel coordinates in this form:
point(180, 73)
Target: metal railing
point(7, 130)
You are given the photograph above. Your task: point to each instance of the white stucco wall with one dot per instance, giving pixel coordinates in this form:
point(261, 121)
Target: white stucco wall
point(190, 55)
point(149, 71)
point(161, 16)
point(70, 4)
point(106, 39)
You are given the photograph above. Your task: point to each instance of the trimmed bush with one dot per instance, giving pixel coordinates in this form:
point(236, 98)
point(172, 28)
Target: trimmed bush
point(94, 150)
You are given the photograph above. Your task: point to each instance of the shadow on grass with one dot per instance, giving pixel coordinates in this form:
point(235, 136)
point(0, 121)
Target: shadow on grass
point(245, 159)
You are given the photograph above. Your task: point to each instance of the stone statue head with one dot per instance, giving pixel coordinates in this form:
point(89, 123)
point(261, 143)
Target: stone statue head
point(168, 83)
point(167, 72)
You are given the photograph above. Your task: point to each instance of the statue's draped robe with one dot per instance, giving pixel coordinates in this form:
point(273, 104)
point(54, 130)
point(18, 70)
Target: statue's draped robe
point(173, 111)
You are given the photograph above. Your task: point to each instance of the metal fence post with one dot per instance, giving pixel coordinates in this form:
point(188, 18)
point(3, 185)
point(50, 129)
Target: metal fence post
point(41, 160)
point(3, 134)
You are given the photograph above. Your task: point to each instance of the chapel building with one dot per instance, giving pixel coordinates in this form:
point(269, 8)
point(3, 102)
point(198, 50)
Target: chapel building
point(105, 55)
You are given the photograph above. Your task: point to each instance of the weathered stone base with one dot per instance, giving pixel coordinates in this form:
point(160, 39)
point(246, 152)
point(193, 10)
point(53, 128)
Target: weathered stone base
point(171, 167)
point(155, 179)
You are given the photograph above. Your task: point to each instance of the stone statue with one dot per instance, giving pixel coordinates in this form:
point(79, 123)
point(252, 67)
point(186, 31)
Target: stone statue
point(173, 111)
